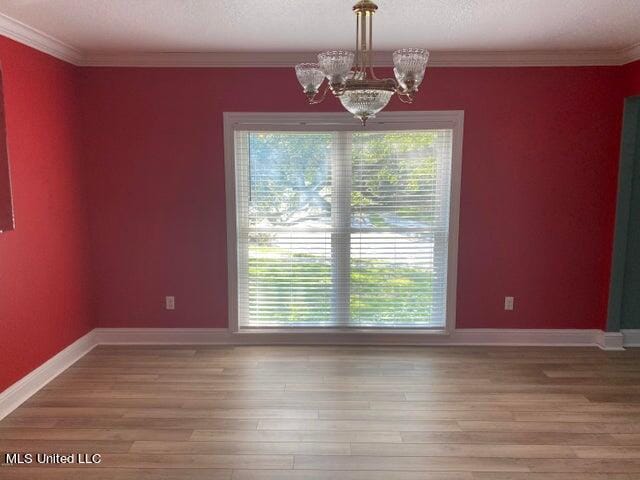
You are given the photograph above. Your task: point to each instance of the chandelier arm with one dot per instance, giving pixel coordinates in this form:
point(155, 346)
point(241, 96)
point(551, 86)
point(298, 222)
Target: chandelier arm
point(396, 86)
point(404, 96)
point(314, 100)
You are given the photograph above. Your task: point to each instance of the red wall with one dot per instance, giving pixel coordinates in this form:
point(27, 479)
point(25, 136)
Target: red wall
point(632, 75)
point(538, 194)
point(43, 263)
point(538, 188)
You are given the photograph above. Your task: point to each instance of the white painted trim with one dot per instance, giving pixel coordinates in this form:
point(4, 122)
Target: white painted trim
point(381, 59)
point(31, 37)
point(544, 58)
point(343, 120)
point(20, 391)
point(337, 121)
point(527, 337)
point(199, 59)
point(631, 337)
point(23, 389)
point(162, 336)
point(232, 225)
point(630, 54)
point(459, 337)
point(454, 218)
point(610, 340)
point(55, 47)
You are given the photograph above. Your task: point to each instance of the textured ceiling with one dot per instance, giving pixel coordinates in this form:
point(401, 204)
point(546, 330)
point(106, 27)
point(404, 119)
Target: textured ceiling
point(299, 25)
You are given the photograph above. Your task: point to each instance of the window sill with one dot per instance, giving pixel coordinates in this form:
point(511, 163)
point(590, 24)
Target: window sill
point(342, 331)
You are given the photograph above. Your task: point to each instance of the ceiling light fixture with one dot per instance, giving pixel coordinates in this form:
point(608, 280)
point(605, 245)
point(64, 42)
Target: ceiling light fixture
point(359, 90)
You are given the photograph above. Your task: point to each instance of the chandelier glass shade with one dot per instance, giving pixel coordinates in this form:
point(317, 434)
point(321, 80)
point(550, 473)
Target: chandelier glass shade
point(351, 78)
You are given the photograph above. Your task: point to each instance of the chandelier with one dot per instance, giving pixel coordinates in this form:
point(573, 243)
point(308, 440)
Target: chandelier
point(351, 78)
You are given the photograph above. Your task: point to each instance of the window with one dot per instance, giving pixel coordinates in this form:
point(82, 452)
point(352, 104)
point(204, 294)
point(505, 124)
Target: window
point(333, 225)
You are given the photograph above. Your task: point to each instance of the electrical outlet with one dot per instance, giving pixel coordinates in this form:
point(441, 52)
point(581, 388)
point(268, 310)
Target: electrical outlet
point(170, 302)
point(508, 303)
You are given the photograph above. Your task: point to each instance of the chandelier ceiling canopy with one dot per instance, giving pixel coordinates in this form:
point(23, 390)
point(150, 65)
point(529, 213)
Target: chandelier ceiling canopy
point(351, 77)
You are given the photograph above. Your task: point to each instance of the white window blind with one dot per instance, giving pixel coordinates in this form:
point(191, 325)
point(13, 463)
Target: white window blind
point(342, 228)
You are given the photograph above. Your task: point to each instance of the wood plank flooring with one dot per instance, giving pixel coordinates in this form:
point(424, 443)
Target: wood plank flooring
point(336, 413)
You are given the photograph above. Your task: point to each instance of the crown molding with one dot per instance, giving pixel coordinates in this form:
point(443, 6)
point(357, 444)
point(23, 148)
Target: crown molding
point(529, 58)
point(630, 54)
point(38, 40)
point(381, 59)
point(198, 59)
point(43, 42)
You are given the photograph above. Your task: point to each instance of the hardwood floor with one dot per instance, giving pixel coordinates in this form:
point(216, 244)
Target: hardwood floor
point(336, 413)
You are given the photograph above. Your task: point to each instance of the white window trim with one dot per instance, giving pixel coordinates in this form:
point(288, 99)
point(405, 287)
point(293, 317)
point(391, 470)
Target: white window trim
point(424, 120)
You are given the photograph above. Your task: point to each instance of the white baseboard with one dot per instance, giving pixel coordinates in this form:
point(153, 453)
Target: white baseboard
point(610, 340)
point(631, 337)
point(19, 392)
point(162, 336)
point(527, 337)
point(480, 336)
